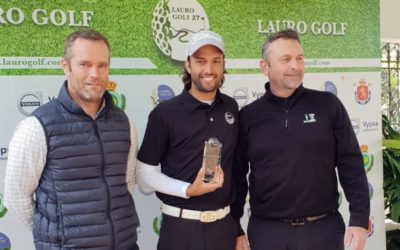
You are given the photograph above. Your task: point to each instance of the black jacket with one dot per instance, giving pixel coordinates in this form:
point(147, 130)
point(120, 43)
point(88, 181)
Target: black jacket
point(294, 146)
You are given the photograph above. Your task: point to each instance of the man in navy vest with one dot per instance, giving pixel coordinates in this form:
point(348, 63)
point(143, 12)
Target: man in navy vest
point(70, 167)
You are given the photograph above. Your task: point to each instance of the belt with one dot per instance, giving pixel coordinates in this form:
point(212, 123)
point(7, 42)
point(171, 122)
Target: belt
point(303, 220)
point(203, 216)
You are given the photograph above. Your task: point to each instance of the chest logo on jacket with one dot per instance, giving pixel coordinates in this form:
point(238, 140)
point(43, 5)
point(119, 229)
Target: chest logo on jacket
point(309, 118)
point(229, 118)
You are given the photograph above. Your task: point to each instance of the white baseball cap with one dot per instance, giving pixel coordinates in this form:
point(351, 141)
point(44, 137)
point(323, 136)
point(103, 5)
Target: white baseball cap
point(203, 38)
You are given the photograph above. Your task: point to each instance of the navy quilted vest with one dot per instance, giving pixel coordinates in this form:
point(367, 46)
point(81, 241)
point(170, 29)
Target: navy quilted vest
point(82, 199)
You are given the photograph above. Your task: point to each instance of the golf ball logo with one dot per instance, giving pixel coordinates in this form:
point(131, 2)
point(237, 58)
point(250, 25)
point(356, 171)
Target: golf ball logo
point(174, 22)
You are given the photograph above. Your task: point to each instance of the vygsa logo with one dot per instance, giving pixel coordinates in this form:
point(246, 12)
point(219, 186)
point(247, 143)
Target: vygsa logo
point(257, 94)
point(28, 102)
point(119, 100)
point(329, 86)
point(368, 158)
point(174, 22)
point(355, 122)
point(3, 153)
point(161, 93)
point(241, 96)
point(362, 92)
point(370, 125)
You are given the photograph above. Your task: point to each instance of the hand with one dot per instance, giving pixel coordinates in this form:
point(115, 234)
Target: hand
point(356, 238)
point(199, 187)
point(241, 243)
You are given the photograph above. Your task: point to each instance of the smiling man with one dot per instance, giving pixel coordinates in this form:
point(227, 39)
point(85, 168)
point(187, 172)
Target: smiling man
point(70, 165)
point(196, 214)
point(295, 139)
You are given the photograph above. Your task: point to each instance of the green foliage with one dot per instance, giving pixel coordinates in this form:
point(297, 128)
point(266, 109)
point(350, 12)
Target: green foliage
point(391, 181)
point(393, 240)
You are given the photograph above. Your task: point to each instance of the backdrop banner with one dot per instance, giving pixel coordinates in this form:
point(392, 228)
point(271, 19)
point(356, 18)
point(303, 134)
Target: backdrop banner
point(341, 40)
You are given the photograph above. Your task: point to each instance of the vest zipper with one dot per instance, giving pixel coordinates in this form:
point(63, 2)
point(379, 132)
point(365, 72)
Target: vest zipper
point(96, 130)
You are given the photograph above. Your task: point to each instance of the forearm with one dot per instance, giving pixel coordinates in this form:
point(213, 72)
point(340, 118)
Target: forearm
point(150, 177)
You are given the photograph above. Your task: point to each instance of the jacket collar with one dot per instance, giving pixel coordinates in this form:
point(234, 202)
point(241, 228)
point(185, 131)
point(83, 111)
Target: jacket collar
point(290, 100)
point(66, 100)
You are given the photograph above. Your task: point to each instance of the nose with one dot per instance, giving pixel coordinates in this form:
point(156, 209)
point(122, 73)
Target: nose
point(207, 67)
point(295, 65)
point(94, 71)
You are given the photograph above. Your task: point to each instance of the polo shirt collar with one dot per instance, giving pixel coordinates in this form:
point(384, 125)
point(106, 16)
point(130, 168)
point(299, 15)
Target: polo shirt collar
point(192, 103)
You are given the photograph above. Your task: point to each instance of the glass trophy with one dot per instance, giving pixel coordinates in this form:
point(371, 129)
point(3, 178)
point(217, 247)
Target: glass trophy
point(211, 157)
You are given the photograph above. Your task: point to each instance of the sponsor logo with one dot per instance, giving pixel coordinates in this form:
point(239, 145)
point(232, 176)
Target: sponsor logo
point(368, 158)
point(370, 190)
point(5, 243)
point(119, 100)
point(229, 118)
point(28, 102)
point(51, 98)
point(362, 92)
point(174, 22)
point(256, 94)
point(241, 96)
point(370, 126)
point(340, 200)
point(3, 209)
point(329, 86)
point(309, 118)
point(371, 227)
point(3, 153)
point(157, 224)
point(355, 122)
point(144, 191)
point(161, 93)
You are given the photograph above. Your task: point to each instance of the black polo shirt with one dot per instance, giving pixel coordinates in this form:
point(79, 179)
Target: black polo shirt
point(175, 136)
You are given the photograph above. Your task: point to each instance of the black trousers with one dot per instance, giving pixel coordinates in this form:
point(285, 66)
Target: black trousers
point(324, 234)
point(184, 234)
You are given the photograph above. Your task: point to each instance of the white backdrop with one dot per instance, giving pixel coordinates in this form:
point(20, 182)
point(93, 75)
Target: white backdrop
point(139, 91)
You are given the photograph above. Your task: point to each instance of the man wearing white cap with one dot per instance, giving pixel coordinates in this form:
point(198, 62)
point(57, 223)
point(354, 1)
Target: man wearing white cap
point(196, 214)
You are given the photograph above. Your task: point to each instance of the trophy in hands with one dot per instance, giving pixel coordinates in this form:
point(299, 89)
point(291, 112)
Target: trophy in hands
point(211, 157)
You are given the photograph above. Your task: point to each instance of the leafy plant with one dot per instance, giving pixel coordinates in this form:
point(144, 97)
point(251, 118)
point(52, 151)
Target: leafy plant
point(391, 179)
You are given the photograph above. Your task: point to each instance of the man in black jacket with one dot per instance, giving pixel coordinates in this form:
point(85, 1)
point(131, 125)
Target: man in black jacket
point(294, 138)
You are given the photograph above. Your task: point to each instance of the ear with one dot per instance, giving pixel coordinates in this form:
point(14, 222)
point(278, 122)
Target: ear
point(264, 67)
point(187, 66)
point(65, 66)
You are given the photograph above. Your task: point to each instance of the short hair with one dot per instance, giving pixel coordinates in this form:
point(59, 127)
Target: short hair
point(187, 78)
point(87, 34)
point(284, 34)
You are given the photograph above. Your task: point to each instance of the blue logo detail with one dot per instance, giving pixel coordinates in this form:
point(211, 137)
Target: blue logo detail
point(161, 94)
point(5, 243)
point(329, 86)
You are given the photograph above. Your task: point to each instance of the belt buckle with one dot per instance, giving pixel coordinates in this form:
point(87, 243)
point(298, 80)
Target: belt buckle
point(208, 216)
point(298, 221)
